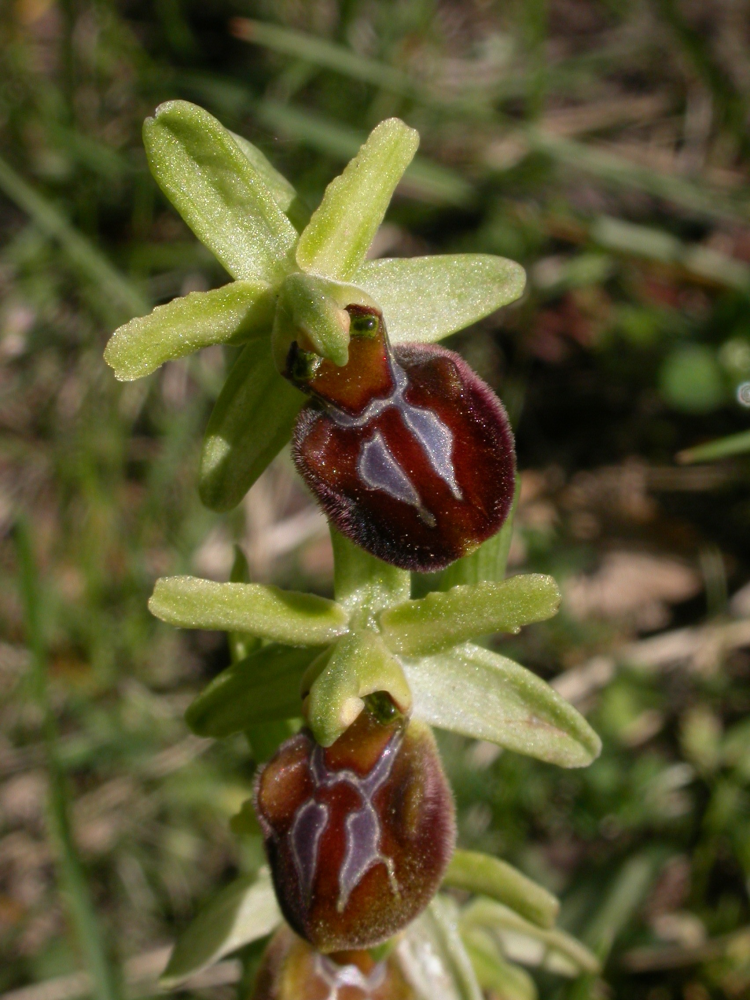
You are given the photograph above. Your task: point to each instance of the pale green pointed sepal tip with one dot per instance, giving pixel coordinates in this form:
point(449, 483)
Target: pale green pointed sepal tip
point(341, 229)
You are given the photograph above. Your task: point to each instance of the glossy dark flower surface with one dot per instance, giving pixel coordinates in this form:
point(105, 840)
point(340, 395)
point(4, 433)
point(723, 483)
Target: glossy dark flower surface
point(292, 970)
point(408, 451)
point(358, 834)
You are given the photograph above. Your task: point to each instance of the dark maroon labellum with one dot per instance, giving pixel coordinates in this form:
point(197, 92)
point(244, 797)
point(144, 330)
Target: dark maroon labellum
point(408, 451)
point(358, 834)
point(292, 970)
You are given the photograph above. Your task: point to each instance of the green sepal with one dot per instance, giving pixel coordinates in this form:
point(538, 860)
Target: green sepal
point(218, 192)
point(262, 688)
point(441, 620)
point(493, 972)
point(243, 912)
point(555, 950)
point(284, 616)
point(481, 873)
point(363, 584)
point(281, 189)
point(341, 229)
point(478, 693)
point(358, 665)
point(433, 956)
point(488, 562)
point(250, 424)
point(227, 315)
point(427, 298)
point(312, 311)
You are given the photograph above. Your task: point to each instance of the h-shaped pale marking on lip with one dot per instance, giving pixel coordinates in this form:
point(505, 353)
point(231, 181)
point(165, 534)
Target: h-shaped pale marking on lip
point(337, 977)
point(363, 828)
point(376, 464)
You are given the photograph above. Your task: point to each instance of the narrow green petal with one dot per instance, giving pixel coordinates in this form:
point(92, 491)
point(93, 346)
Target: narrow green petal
point(342, 228)
point(492, 877)
point(243, 912)
point(560, 952)
point(250, 424)
point(263, 687)
point(360, 664)
point(493, 972)
point(433, 955)
point(363, 584)
point(426, 298)
point(442, 620)
point(227, 315)
point(481, 694)
point(219, 193)
point(284, 616)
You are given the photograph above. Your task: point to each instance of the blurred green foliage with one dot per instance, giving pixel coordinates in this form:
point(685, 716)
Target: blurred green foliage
point(602, 145)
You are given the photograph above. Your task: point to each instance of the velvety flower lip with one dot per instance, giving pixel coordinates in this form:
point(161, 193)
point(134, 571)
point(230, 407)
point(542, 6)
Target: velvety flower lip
point(358, 835)
point(416, 464)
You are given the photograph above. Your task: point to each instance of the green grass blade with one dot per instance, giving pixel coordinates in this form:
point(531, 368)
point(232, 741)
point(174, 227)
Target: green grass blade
point(325, 54)
point(86, 922)
point(696, 198)
point(125, 297)
point(733, 444)
point(423, 179)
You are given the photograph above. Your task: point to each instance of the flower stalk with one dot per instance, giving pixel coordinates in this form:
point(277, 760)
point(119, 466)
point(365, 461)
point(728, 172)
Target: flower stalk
point(411, 457)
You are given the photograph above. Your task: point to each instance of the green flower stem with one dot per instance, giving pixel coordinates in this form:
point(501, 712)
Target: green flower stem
point(285, 616)
point(441, 620)
point(480, 873)
point(363, 584)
